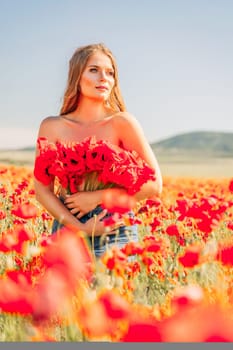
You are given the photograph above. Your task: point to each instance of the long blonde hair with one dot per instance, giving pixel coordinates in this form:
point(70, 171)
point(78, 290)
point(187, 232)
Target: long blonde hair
point(77, 65)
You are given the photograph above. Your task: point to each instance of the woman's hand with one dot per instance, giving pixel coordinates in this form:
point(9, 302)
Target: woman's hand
point(81, 203)
point(95, 226)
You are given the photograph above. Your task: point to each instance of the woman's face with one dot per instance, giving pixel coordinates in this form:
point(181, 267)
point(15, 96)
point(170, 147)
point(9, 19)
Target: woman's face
point(97, 79)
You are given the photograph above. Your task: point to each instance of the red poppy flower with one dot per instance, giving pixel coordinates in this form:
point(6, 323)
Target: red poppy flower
point(132, 248)
point(190, 257)
point(46, 216)
point(114, 259)
point(204, 324)
point(187, 296)
point(101, 318)
point(231, 185)
point(172, 230)
point(116, 307)
point(72, 163)
point(230, 225)
point(225, 255)
point(2, 215)
point(182, 208)
point(16, 297)
point(117, 201)
point(155, 224)
point(69, 253)
point(142, 332)
point(3, 191)
point(206, 224)
point(153, 202)
point(25, 211)
point(112, 220)
point(42, 166)
point(14, 240)
point(151, 244)
point(51, 295)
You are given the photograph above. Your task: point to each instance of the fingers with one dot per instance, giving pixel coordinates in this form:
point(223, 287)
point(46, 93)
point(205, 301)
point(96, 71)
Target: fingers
point(102, 215)
point(68, 201)
point(69, 205)
point(80, 214)
point(75, 211)
point(70, 198)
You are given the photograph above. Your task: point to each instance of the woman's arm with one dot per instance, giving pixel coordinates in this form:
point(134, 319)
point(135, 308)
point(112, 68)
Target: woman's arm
point(56, 208)
point(132, 137)
point(45, 194)
point(46, 197)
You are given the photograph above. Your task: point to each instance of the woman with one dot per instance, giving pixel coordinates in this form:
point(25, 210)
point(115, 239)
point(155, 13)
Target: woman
point(93, 106)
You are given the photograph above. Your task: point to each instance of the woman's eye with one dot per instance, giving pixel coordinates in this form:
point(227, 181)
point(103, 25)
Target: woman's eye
point(111, 73)
point(93, 70)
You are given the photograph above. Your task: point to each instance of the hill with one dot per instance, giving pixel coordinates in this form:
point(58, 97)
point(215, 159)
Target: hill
point(201, 143)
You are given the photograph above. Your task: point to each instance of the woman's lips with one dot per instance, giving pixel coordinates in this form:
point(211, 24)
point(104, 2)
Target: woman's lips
point(101, 87)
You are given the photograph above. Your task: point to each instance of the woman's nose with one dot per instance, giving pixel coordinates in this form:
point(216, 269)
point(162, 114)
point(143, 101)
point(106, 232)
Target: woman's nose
point(103, 76)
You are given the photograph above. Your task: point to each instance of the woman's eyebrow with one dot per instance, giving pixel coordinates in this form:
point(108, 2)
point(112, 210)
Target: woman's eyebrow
point(96, 66)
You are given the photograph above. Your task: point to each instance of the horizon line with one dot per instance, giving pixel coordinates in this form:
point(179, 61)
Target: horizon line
point(30, 147)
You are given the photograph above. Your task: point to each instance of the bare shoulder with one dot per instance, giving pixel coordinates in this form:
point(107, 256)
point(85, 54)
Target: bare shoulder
point(50, 121)
point(48, 127)
point(127, 122)
point(125, 117)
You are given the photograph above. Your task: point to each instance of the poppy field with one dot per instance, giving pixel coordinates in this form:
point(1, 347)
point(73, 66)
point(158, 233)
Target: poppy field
point(174, 285)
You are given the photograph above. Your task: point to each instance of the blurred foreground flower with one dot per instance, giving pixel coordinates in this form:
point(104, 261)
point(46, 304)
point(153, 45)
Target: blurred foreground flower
point(191, 257)
point(231, 185)
point(15, 239)
point(225, 255)
point(117, 201)
point(202, 323)
point(25, 211)
point(102, 318)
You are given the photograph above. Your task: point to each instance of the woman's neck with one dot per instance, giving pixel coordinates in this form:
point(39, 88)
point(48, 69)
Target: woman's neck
point(89, 111)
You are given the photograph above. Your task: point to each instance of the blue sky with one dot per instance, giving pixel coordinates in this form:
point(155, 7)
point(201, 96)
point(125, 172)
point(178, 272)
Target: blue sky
point(174, 56)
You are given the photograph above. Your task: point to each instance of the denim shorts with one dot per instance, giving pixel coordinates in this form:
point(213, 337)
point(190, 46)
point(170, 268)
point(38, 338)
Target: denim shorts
point(100, 244)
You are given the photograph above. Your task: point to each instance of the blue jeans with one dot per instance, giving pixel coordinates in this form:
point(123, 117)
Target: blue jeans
point(100, 244)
